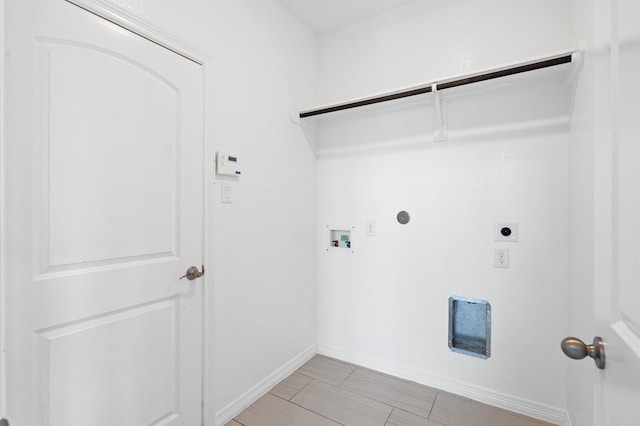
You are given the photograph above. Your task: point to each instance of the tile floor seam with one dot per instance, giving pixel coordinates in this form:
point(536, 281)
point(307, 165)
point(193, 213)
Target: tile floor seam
point(366, 396)
point(433, 405)
point(346, 378)
point(277, 396)
point(389, 416)
point(408, 408)
point(325, 381)
point(302, 374)
point(355, 393)
point(301, 389)
point(376, 398)
point(304, 408)
point(321, 415)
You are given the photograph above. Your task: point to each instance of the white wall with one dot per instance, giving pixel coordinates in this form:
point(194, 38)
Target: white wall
point(264, 68)
point(428, 40)
point(265, 289)
point(385, 305)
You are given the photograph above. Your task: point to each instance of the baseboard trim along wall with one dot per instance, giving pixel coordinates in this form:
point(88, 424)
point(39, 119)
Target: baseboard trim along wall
point(239, 405)
point(476, 393)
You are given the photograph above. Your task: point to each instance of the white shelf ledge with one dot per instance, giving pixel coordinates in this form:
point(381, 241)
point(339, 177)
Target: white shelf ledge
point(527, 95)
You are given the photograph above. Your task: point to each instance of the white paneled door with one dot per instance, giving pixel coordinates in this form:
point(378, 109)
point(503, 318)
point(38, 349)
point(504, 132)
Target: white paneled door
point(104, 213)
point(617, 262)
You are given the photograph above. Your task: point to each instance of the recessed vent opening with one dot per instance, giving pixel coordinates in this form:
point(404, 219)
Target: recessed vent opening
point(470, 326)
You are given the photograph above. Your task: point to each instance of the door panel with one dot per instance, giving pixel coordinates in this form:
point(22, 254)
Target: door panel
point(103, 157)
point(104, 214)
point(618, 291)
point(627, 56)
point(140, 371)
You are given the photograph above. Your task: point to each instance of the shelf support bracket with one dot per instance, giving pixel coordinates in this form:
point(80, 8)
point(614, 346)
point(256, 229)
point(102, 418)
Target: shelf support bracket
point(577, 62)
point(307, 135)
point(440, 132)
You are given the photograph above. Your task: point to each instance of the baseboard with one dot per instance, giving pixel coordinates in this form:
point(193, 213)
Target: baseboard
point(476, 393)
point(568, 423)
point(236, 407)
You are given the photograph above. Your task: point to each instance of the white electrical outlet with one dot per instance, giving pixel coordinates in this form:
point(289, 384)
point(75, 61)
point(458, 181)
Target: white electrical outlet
point(371, 228)
point(501, 258)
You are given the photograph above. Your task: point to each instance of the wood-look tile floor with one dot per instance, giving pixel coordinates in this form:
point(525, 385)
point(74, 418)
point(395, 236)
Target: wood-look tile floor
point(328, 392)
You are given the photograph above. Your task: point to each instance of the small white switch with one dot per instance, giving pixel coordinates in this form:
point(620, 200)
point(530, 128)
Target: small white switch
point(501, 258)
point(371, 228)
point(227, 192)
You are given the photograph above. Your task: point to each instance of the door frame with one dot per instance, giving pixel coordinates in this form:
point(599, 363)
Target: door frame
point(159, 36)
point(3, 310)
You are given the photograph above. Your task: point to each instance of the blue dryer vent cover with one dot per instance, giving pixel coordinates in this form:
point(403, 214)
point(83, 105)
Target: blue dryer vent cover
point(470, 326)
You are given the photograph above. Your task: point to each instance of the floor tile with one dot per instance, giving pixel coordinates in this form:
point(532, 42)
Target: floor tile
point(273, 411)
point(453, 411)
point(341, 405)
point(290, 386)
point(409, 396)
point(327, 369)
point(403, 418)
point(329, 392)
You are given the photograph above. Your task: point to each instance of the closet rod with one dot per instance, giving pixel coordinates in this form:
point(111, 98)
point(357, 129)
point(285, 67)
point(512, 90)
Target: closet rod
point(444, 85)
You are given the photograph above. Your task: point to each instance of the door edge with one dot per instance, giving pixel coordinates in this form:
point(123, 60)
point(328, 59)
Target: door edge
point(3, 322)
point(3, 319)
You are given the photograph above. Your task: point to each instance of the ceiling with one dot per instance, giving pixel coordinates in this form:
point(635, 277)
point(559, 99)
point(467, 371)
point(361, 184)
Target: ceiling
point(325, 16)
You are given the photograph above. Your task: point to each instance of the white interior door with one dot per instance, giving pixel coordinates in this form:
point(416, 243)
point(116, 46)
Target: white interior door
point(617, 296)
point(104, 213)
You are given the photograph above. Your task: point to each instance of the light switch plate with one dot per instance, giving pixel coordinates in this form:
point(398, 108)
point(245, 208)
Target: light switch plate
point(371, 228)
point(227, 192)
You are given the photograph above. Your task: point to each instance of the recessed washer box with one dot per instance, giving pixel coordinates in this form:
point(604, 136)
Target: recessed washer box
point(340, 239)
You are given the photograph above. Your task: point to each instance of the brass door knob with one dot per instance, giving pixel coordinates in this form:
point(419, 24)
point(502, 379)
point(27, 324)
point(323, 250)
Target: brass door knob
point(193, 273)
